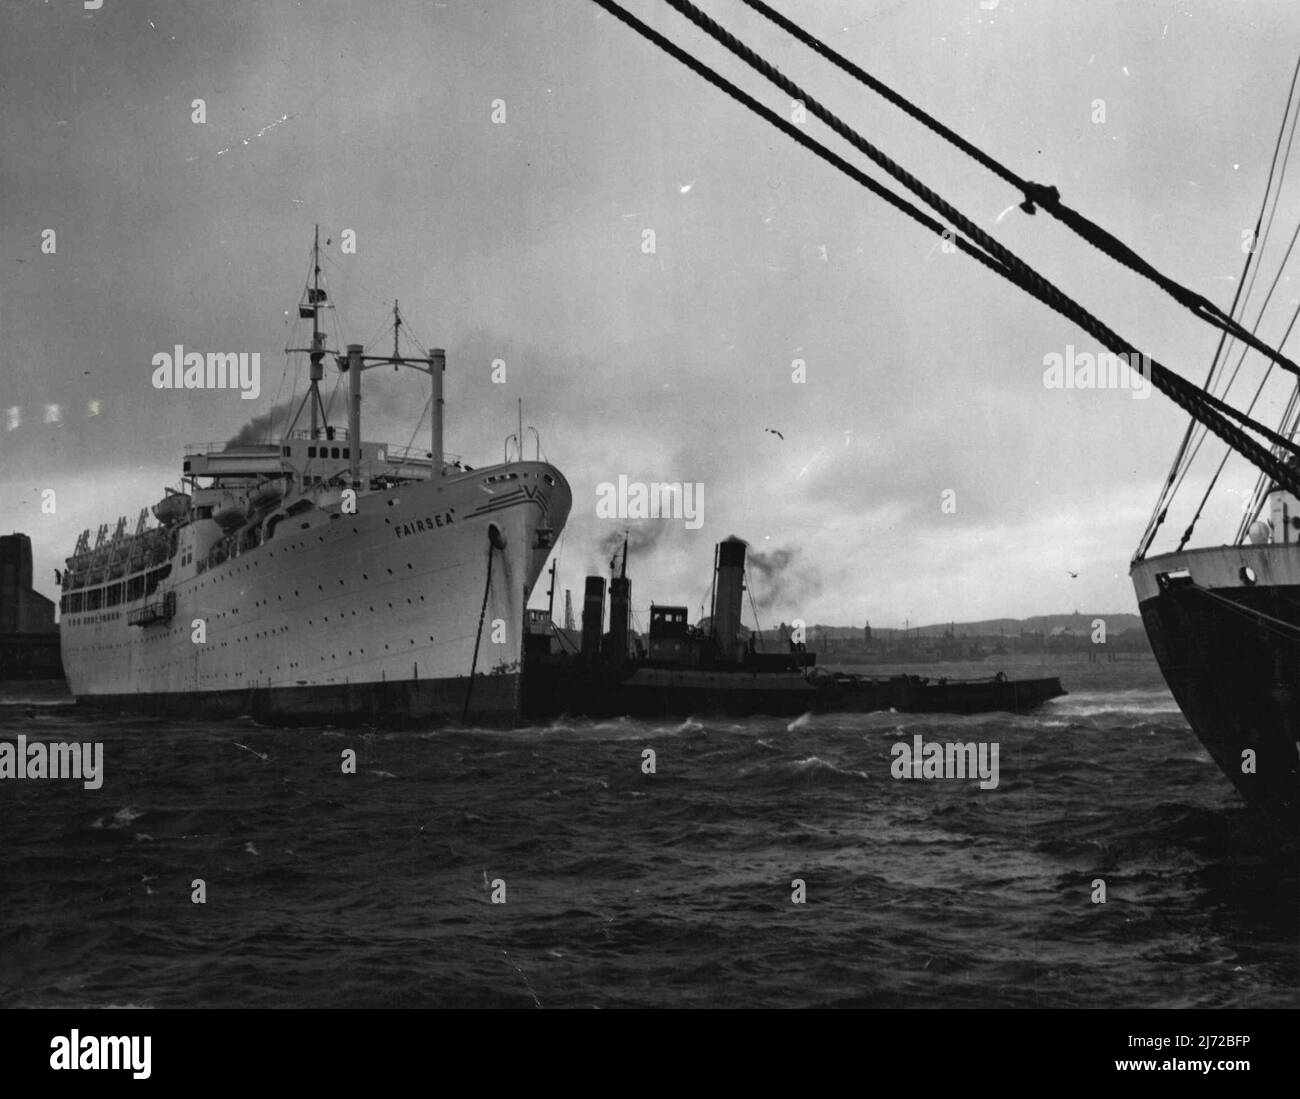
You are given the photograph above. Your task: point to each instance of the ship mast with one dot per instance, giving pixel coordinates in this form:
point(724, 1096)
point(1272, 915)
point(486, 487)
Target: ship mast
point(317, 339)
point(312, 308)
point(353, 364)
point(434, 366)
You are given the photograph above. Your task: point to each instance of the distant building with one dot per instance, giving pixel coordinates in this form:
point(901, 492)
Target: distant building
point(22, 610)
point(29, 638)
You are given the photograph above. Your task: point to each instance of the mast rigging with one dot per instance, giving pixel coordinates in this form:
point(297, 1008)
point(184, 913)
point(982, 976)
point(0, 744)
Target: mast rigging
point(1206, 408)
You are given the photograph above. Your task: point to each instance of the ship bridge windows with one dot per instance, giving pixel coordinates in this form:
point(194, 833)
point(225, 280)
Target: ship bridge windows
point(668, 622)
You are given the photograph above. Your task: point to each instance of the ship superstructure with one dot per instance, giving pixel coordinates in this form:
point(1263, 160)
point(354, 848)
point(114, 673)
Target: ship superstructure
point(320, 576)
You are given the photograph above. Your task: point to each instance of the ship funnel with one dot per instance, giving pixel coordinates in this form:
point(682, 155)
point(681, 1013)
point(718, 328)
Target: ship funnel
point(729, 588)
point(593, 618)
point(620, 609)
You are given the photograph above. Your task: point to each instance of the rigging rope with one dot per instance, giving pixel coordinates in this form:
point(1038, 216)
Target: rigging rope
point(991, 254)
point(487, 589)
point(1289, 629)
point(1024, 275)
point(1259, 390)
point(1172, 486)
point(1036, 194)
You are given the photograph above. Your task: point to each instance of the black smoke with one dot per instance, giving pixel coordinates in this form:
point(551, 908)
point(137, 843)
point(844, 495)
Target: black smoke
point(774, 578)
point(643, 535)
point(267, 427)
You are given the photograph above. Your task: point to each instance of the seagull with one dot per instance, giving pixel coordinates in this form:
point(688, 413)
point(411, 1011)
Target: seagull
point(775, 432)
point(1073, 575)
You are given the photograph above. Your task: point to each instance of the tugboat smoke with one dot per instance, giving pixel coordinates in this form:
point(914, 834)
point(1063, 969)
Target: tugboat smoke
point(774, 581)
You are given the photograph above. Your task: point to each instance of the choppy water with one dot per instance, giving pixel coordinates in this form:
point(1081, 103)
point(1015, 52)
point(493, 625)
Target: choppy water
point(627, 889)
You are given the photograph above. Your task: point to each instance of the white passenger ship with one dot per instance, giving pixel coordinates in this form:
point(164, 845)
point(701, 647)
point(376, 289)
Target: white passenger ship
point(319, 577)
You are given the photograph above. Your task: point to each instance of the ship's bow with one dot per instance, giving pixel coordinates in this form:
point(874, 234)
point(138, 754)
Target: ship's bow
point(1224, 623)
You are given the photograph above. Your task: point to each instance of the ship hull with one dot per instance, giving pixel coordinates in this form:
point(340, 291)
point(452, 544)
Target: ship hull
point(1224, 624)
point(493, 701)
point(553, 689)
point(377, 616)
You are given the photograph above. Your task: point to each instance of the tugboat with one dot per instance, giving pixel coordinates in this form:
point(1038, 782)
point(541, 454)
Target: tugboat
point(679, 669)
point(319, 576)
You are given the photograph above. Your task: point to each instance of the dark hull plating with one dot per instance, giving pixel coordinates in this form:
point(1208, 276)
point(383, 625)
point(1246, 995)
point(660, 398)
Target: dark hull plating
point(1235, 676)
point(552, 690)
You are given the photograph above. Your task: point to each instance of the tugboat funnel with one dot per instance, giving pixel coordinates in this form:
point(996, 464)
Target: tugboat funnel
point(729, 590)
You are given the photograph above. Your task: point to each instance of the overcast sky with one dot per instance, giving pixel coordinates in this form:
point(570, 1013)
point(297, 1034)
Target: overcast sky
point(522, 240)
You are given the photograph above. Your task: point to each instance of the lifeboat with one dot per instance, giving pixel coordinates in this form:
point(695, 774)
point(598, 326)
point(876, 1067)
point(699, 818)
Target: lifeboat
point(264, 495)
point(172, 508)
point(229, 511)
point(326, 496)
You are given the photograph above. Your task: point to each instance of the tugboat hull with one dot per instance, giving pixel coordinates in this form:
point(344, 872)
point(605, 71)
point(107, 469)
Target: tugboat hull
point(552, 689)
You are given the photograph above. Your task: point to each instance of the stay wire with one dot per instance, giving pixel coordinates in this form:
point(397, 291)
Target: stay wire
point(1183, 461)
point(1036, 194)
point(1188, 396)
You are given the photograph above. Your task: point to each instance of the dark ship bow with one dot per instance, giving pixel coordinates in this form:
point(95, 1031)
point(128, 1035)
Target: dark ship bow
point(1225, 626)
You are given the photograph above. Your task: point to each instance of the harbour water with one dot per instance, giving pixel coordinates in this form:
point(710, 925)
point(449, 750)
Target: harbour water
point(543, 867)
